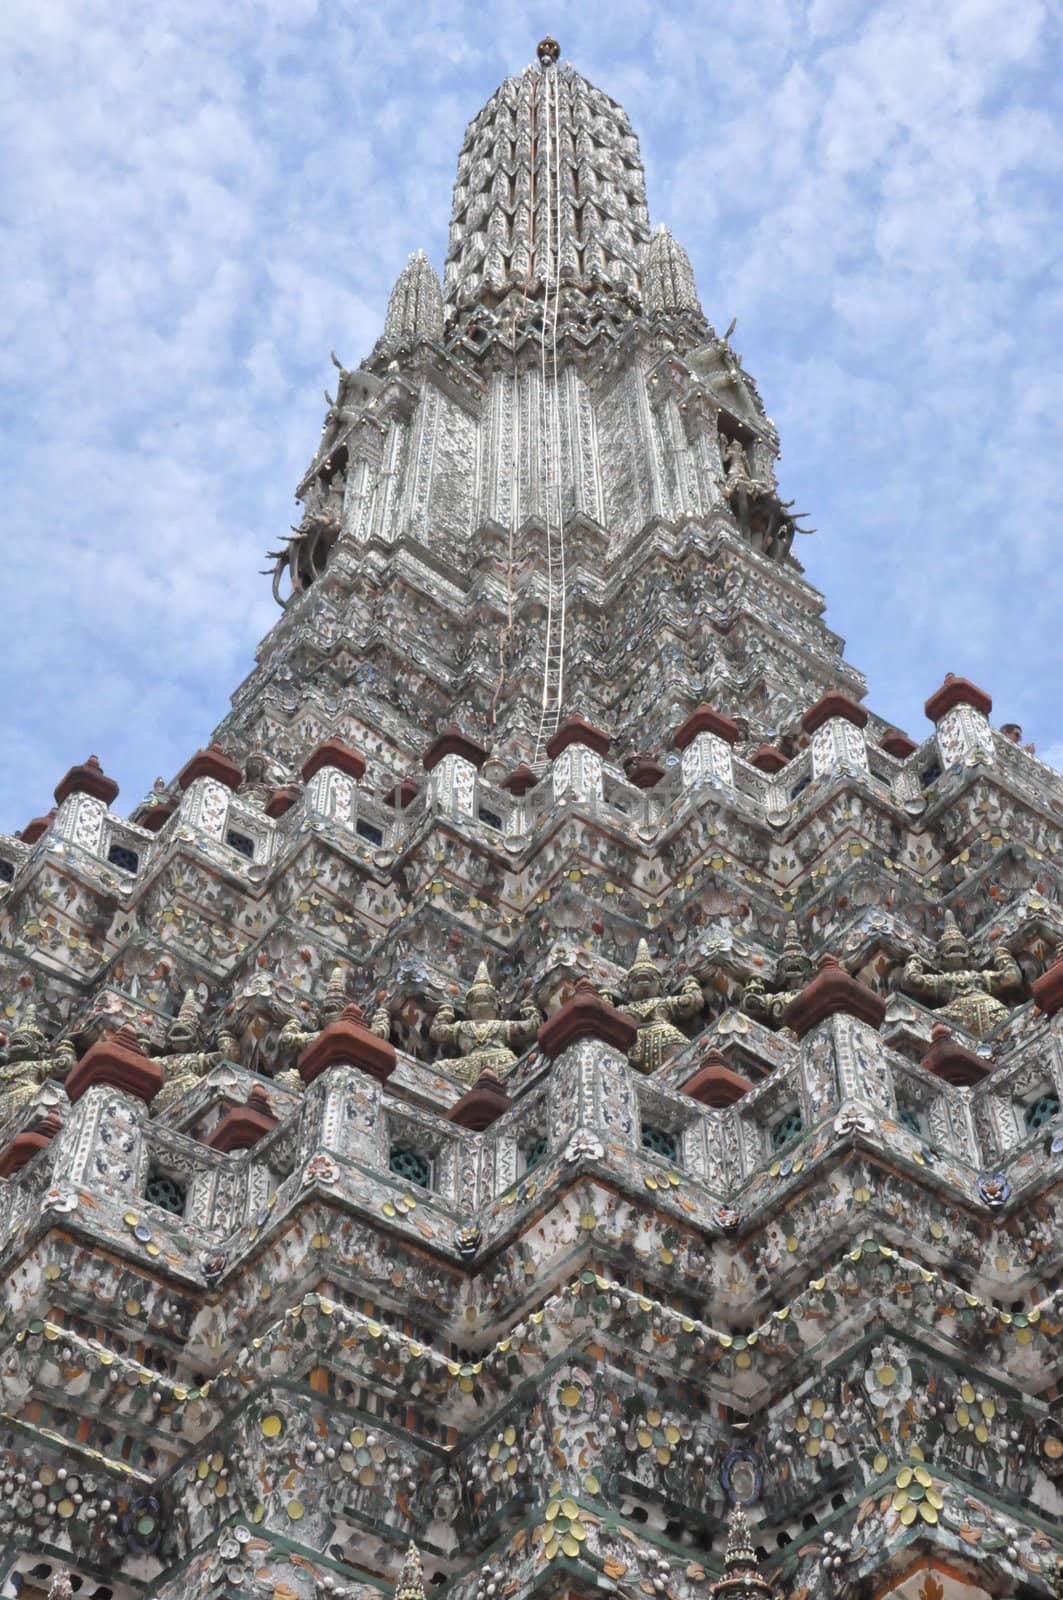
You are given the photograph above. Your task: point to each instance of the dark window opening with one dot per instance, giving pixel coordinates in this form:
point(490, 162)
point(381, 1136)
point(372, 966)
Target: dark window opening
point(492, 818)
point(785, 1129)
point(366, 830)
point(7, 870)
point(410, 1166)
point(534, 1153)
point(661, 1142)
point(125, 860)
point(241, 843)
point(166, 1192)
point(1042, 1110)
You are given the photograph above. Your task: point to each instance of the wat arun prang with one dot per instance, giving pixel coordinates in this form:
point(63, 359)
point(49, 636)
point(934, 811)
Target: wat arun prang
point(556, 1097)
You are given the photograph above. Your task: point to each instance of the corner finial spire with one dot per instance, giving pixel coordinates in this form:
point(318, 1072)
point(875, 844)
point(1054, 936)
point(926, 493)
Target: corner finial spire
point(411, 1579)
point(742, 1578)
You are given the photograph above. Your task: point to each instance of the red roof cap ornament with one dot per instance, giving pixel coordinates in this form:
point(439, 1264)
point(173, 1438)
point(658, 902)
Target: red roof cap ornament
point(452, 742)
point(577, 730)
point(716, 1083)
point(211, 763)
point(88, 778)
point(117, 1061)
point(833, 704)
point(401, 794)
point(703, 719)
point(334, 753)
point(768, 758)
point(830, 992)
point(957, 692)
point(643, 771)
point(347, 1040)
point(1047, 990)
point(154, 817)
point(896, 743)
point(481, 1105)
point(520, 780)
point(37, 827)
point(951, 1061)
point(242, 1126)
point(282, 800)
point(586, 1015)
point(25, 1145)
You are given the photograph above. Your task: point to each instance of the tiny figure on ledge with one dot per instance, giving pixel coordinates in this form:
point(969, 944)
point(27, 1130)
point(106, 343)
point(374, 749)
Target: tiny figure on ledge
point(963, 994)
point(294, 1038)
point(793, 970)
point(484, 1039)
point(184, 1060)
point(28, 1062)
point(656, 1012)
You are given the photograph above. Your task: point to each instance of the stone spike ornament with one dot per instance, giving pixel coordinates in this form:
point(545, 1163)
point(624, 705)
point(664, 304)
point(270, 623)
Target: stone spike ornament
point(546, 1270)
point(668, 278)
point(415, 310)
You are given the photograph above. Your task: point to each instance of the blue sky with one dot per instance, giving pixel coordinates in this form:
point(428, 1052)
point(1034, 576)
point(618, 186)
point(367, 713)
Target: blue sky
point(200, 200)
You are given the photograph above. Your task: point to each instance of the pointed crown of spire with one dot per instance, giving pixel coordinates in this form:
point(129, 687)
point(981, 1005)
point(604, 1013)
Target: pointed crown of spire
point(643, 961)
point(481, 985)
point(415, 310)
point(953, 939)
point(668, 284)
point(336, 996)
point(189, 1008)
point(186, 1021)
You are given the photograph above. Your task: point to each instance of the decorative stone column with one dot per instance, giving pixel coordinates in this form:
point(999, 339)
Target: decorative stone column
point(835, 725)
point(207, 781)
point(592, 1087)
point(705, 739)
point(519, 781)
point(345, 1067)
point(576, 751)
point(452, 761)
point(103, 1142)
point(82, 799)
point(960, 713)
point(331, 774)
point(842, 1058)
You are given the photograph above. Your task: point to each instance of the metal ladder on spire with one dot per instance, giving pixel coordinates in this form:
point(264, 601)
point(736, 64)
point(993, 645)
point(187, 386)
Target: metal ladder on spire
point(554, 519)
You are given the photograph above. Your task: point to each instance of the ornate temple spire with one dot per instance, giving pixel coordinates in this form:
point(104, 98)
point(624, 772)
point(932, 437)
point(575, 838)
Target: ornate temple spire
point(550, 194)
point(668, 282)
point(742, 1578)
point(411, 1578)
point(415, 310)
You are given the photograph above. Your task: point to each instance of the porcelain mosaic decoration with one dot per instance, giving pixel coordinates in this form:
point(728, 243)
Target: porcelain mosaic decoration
point(556, 1097)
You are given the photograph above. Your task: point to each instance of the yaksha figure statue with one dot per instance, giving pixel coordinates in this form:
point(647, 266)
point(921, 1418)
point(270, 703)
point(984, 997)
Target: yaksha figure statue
point(963, 994)
point(656, 1012)
point(294, 1039)
point(485, 1041)
point(184, 1060)
point(29, 1061)
point(792, 972)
